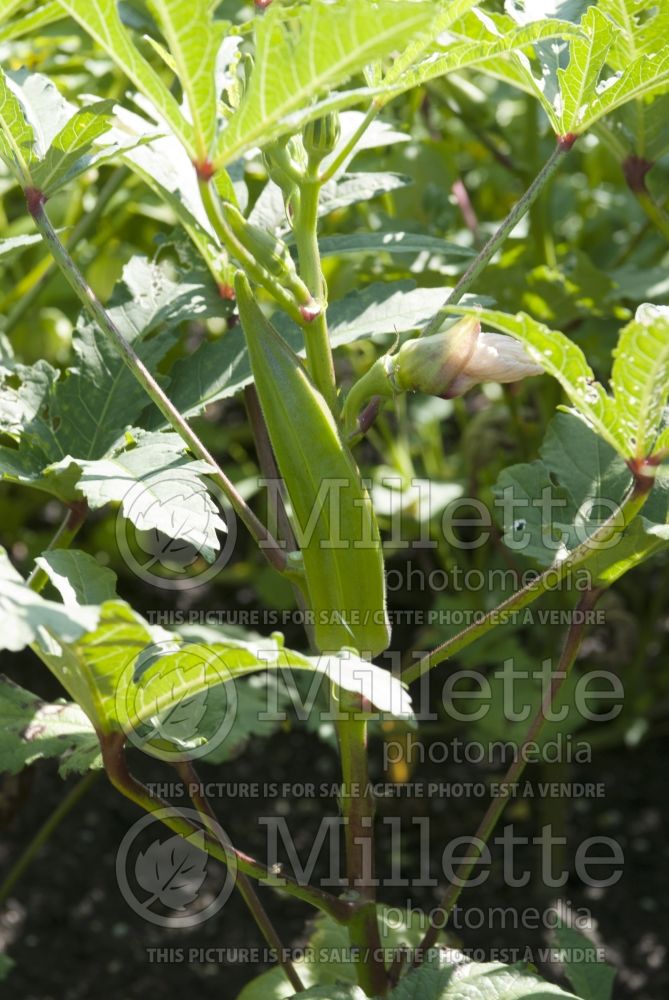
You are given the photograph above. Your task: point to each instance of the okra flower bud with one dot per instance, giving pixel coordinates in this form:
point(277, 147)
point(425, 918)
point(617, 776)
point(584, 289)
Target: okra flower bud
point(321, 136)
point(446, 364)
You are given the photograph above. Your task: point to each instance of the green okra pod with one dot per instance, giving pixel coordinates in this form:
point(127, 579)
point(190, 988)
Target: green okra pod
point(333, 516)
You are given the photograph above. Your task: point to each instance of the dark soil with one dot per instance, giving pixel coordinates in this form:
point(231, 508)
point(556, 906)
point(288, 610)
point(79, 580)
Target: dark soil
point(73, 936)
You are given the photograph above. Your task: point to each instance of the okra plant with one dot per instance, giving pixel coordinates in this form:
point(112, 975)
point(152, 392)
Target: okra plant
point(241, 124)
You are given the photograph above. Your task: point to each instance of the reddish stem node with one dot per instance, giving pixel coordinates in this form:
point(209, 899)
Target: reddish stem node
point(226, 291)
point(310, 312)
point(566, 141)
point(643, 470)
point(635, 169)
point(34, 200)
point(204, 169)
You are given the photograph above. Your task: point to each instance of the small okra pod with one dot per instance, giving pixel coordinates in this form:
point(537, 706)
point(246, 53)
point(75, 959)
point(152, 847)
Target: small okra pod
point(269, 251)
point(332, 513)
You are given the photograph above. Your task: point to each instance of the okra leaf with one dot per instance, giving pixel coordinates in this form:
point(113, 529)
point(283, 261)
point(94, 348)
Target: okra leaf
point(25, 614)
point(590, 976)
point(128, 675)
point(8, 7)
point(32, 729)
point(269, 211)
point(393, 243)
point(252, 720)
point(383, 308)
point(38, 18)
point(578, 81)
point(83, 413)
point(445, 13)
point(325, 971)
point(15, 244)
point(640, 377)
point(598, 70)
point(645, 77)
point(523, 13)
point(449, 976)
point(477, 41)
point(72, 150)
point(298, 60)
point(77, 576)
point(101, 20)
point(16, 133)
point(161, 491)
point(194, 39)
point(552, 505)
point(156, 686)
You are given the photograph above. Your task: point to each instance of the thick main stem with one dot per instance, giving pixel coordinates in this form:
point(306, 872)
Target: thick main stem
point(42, 274)
point(268, 545)
point(358, 810)
point(497, 805)
point(242, 883)
point(316, 337)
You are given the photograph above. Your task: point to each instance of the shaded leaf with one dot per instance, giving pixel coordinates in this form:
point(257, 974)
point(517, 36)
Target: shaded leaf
point(591, 977)
point(391, 242)
point(551, 506)
point(449, 976)
point(32, 729)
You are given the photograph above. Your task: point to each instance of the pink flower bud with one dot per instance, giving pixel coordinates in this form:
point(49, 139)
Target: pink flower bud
point(495, 358)
point(446, 364)
point(432, 364)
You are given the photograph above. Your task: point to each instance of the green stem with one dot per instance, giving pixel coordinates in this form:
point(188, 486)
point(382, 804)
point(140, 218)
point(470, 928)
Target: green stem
point(242, 883)
point(133, 789)
point(268, 545)
point(316, 338)
point(64, 807)
point(522, 206)
point(498, 804)
point(41, 274)
point(618, 521)
point(64, 536)
point(499, 236)
point(250, 265)
point(357, 806)
point(656, 213)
